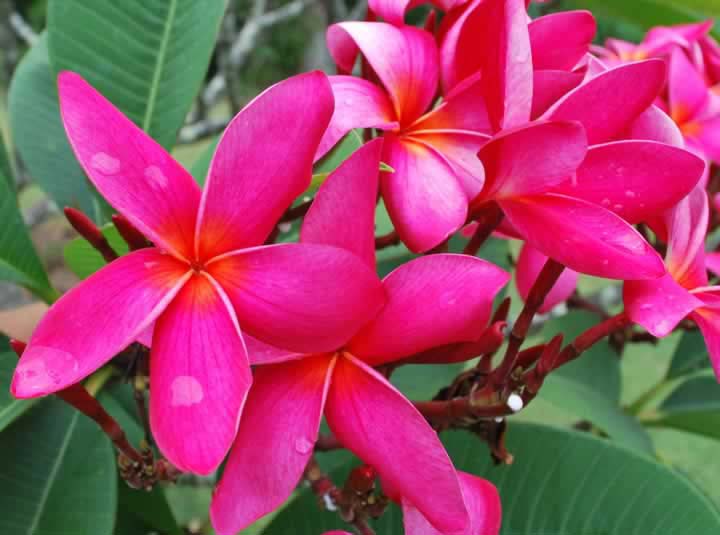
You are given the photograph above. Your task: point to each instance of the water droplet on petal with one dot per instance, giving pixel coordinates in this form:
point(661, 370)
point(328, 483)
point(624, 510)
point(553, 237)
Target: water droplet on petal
point(156, 177)
point(43, 368)
point(303, 445)
point(662, 325)
point(605, 262)
point(150, 265)
point(645, 306)
point(105, 163)
point(618, 207)
point(186, 391)
point(630, 194)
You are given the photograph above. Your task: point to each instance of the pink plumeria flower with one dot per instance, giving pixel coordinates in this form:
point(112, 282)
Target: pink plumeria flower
point(208, 275)
point(481, 499)
point(393, 11)
point(433, 151)
point(660, 305)
point(366, 413)
point(529, 264)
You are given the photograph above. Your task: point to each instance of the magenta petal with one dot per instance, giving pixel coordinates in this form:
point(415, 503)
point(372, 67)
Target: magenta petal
point(461, 288)
point(275, 440)
point(687, 225)
point(583, 236)
point(423, 196)
point(624, 176)
point(374, 421)
point(655, 125)
point(301, 297)
point(343, 212)
point(483, 504)
point(358, 104)
point(530, 263)
point(549, 86)
point(608, 103)
point(200, 377)
point(503, 55)
point(559, 41)
point(712, 263)
point(97, 319)
point(707, 319)
point(404, 58)
point(658, 305)
point(532, 159)
point(687, 91)
point(393, 11)
point(132, 171)
point(262, 353)
point(262, 162)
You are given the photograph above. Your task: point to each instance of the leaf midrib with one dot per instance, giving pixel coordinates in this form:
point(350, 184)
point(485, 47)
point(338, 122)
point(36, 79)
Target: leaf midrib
point(159, 62)
point(53, 474)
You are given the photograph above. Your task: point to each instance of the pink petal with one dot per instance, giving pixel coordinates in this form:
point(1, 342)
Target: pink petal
point(705, 136)
point(301, 297)
point(503, 55)
point(483, 504)
point(608, 103)
point(687, 224)
point(262, 353)
point(358, 104)
point(712, 262)
point(655, 125)
point(278, 429)
point(687, 92)
point(549, 86)
point(658, 305)
point(583, 236)
point(623, 177)
point(393, 11)
point(97, 319)
point(461, 288)
point(372, 419)
point(200, 377)
point(707, 319)
point(423, 195)
point(404, 58)
point(343, 212)
point(531, 159)
point(262, 162)
point(133, 172)
point(529, 264)
point(559, 41)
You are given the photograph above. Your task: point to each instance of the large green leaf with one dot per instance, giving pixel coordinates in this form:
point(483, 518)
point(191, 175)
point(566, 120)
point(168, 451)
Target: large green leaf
point(10, 408)
point(19, 263)
point(693, 406)
point(690, 355)
point(84, 260)
point(39, 135)
point(561, 483)
point(148, 58)
point(58, 472)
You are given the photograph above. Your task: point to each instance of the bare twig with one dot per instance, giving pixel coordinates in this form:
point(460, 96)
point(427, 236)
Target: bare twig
point(22, 29)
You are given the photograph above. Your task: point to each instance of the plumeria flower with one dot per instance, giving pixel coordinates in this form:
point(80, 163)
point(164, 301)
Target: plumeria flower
point(432, 151)
point(529, 265)
point(393, 11)
point(684, 292)
point(433, 300)
point(208, 278)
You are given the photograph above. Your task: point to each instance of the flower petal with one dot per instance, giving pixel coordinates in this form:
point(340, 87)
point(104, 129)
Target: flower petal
point(623, 177)
point(404, 58)
point(655, 125)
point(262, 353)
point(530, 263)
point(423, 195)
point(131, 170)
point(200, 377)
point(687, 226)
point(343, 212)
point(549, 86)
point(374, 421)
point(531, 159)
point(483, 504)
point(301, 297)
point(707, 319)
point(583, 236)
point(97, 319)
point(503, 55)
point(278, 429)
point(560, 40)
point(608, 103)
point(688, 93)
point(658, 305)
point(358, 104)
point(461, 289)
point(262, 162)
point(393, 11)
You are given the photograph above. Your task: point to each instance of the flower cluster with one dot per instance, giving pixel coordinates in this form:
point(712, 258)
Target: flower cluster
point(489, 119)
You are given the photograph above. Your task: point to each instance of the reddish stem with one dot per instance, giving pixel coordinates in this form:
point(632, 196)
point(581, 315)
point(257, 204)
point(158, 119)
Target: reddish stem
point(132, 236)
point(296, 212)
point(88, 230)
point(488, 218)
point(387, 240)
point(590, 337)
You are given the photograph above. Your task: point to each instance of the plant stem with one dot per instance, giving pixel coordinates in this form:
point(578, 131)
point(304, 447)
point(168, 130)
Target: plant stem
point(488, 219)
point(387, 240)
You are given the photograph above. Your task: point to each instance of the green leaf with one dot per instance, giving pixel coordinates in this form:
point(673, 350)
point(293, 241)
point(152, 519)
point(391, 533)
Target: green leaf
point(10, 408)
point(200, 167)
point(693, 406)
point(83, 260)
point(561, 482)
point(690, 355)
point(59, 472)
point(39, 135)
point(148, 58)
point(423, 381)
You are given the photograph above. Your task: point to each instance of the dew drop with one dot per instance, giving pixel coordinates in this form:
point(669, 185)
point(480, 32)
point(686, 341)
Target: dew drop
point(605, 262)
point(105, 163)
point(662, 325)
point(156, 177)
point(630, 194)
point(606, 202)
point(43, 368)
point(284, 227)
point(150, 265)
point(348, 101)
point(303, 445)
point(618, 207)
point(645, 306)
point(186, 391)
